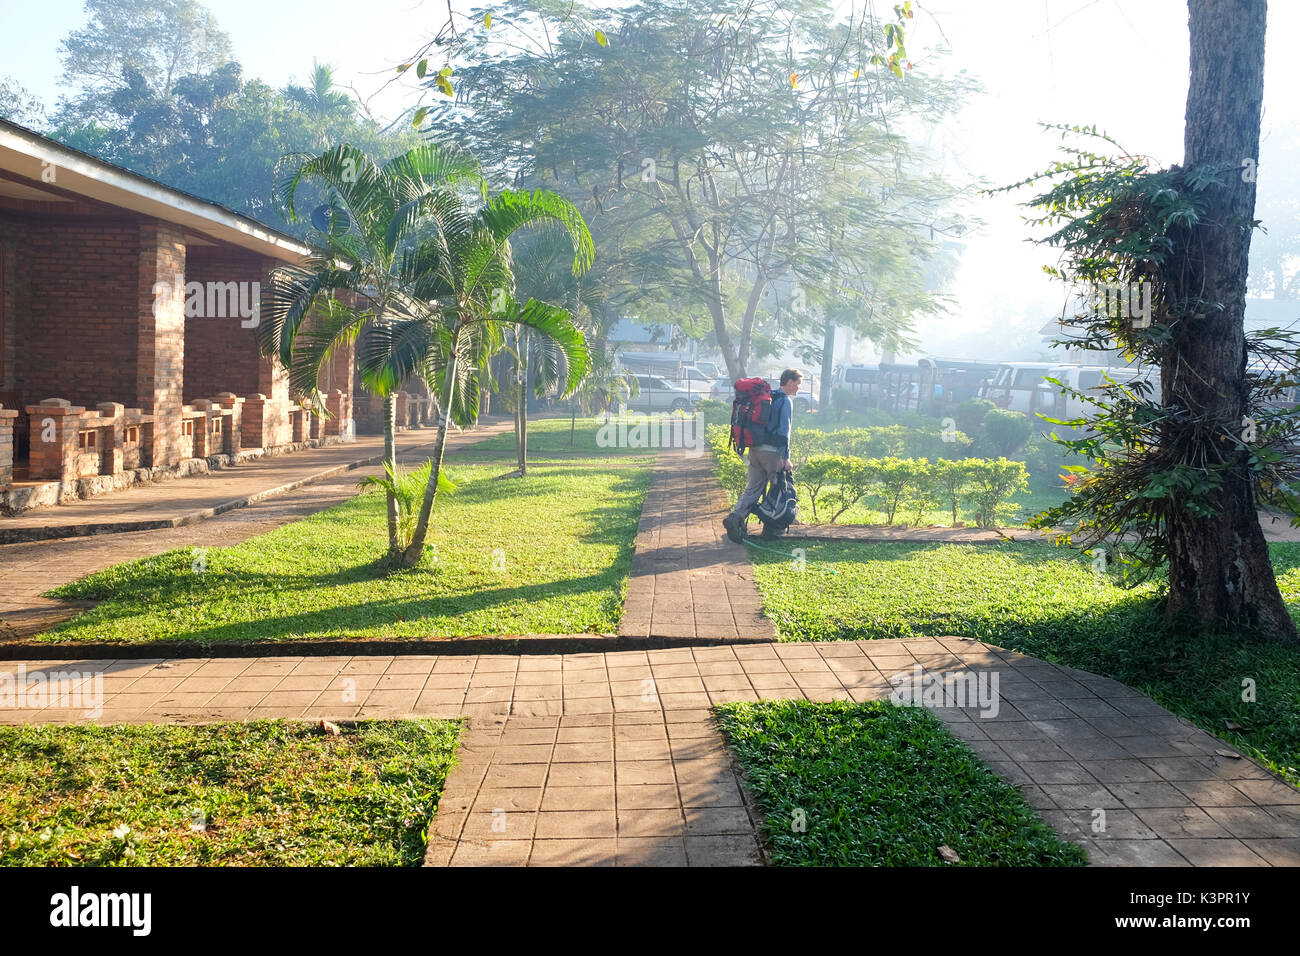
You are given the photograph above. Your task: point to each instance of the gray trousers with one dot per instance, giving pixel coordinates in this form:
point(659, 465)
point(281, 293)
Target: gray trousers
point(763, 467)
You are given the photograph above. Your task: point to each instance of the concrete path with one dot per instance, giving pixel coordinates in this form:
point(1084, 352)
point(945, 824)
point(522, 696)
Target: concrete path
point(688, 579)
point(183, 500)
point(28, 569)
point(609, 758)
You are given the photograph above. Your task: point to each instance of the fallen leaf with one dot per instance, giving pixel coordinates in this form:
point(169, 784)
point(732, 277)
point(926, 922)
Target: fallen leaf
point(949, 854)
point(1229, 754)
point(1233, 725)
point(332, 729)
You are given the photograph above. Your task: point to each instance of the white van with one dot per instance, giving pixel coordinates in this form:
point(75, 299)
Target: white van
point(1017, 386)
point(1055, 402)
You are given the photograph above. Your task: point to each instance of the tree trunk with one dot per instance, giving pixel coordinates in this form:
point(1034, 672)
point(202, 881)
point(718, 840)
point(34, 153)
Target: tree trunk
point(828, 367)
point(390, 464)
point(523, 403)
point(415, 551)
point(1219, 569)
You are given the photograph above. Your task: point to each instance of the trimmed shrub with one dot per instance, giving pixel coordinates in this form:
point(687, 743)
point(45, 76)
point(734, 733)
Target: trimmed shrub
point(969, 415)
point(991, 484)
point(1005, 432)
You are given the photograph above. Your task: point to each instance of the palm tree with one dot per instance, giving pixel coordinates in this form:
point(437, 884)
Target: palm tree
point(320, 100)
point(542, 272)
point(604, 387)
point(358, 282)
point(466, 285)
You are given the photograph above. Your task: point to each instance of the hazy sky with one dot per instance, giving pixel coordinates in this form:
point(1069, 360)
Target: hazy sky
point(1121, 65)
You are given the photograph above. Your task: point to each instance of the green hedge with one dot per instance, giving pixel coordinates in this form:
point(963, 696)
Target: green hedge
point(903, 487)
point(909, 487)
point(880, 441)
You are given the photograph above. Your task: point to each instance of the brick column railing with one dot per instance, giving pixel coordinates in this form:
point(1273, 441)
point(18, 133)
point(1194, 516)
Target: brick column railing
point(111, 454)
point(55, 424)
point(234, 424)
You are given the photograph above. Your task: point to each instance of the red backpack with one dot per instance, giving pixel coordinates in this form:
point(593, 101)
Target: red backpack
point(751, 413)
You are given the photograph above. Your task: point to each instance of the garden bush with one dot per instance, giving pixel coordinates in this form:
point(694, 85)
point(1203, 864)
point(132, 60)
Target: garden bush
point(830, 484)
point(992, 483)
point(713, 411)
point(1004, 432)
point(969, 415)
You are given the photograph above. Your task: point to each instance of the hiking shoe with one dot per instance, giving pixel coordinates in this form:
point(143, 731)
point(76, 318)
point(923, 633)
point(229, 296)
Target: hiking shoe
point(735, 528)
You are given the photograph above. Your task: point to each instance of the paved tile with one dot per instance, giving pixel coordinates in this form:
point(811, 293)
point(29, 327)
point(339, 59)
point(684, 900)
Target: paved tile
point(598, 783)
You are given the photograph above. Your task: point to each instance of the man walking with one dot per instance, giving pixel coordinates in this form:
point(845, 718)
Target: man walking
point(766, 460)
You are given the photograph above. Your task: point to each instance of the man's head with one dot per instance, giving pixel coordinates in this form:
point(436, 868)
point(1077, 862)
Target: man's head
point(790, 380)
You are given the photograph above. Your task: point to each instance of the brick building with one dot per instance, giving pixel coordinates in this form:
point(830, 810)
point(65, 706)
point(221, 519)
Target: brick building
point(127, 318)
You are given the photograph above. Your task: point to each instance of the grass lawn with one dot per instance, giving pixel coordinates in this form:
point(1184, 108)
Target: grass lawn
point(548, 438)
point(1047, 602)
point(880, 785)
point(263, 793)
point(549, 553)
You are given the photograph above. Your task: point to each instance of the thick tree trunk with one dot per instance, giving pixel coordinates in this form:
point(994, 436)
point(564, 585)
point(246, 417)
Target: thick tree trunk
point(1219, 569)
point(390, 462)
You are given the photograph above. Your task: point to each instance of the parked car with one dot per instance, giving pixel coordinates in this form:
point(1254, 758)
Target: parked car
point(693, 380)
point(657, 394)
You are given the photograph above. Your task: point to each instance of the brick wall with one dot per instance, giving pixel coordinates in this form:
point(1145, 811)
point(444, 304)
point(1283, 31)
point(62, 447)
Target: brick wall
point(69, 304)
point(220, 354)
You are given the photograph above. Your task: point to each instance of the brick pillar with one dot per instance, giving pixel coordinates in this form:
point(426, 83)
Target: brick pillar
point(254, 420)
point(273, 383)
point(160, 367)
point(7, 418)
point(55, 423)
point(204, 445)
point(113, 456)
point(336, 403)
point(234, 425)
point(401, 404)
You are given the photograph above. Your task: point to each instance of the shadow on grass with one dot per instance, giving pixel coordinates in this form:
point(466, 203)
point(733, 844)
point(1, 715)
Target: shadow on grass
point(378, 615)
point(276, 598)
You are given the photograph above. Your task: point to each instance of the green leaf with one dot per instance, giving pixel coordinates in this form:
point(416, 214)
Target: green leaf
point(419, 116)
point(487, 20)
point(601, 39)
point(421, 68)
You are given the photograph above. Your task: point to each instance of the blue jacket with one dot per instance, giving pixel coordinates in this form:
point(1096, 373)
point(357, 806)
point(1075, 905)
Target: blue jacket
point(779, 429)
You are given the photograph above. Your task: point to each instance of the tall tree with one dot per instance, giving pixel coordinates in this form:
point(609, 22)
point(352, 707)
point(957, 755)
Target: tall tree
point(1219, 567)
point(1162, 257)
point(716, 151)
point(159, 40)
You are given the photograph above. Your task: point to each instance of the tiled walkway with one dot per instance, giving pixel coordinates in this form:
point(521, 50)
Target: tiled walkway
point(28, 569)
point(688, 579)
point(615, 753)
